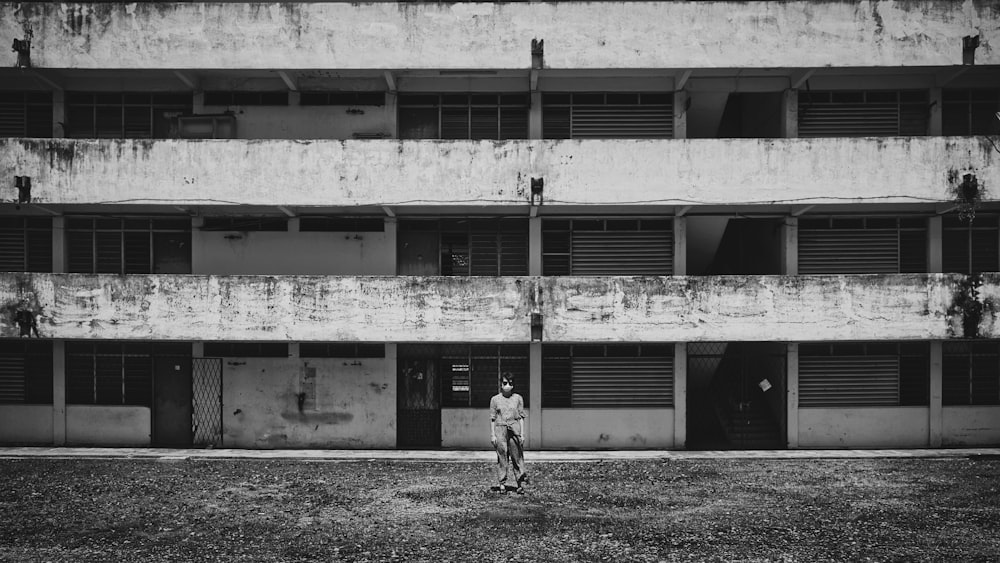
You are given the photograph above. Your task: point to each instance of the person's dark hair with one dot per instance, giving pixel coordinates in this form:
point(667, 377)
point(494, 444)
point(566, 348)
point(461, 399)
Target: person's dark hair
point(508, 377)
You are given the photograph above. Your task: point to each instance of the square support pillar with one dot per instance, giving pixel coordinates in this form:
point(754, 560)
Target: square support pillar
point(293, 350)
point(790, 247)
point(936, 412)
point(680, 246)
point(293, 224)
point(391, 115)
point(790, 114)
point(198, 103)
point(59, 392)
point(792, 394)
point(680, 114)
point(390, 375)
point(535, 390)
point(535, 246)
point(391, 226)
point(59, 245)
point(935, 246)
point(935, 123)
point(198, 349)
point(535, 116)
point(680, 395)
point(58, 113)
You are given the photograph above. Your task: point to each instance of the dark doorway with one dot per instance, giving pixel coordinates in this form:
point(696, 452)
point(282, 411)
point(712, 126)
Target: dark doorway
point(418, 412)
point(172, 401)
point(417, 253)
point(736, 396)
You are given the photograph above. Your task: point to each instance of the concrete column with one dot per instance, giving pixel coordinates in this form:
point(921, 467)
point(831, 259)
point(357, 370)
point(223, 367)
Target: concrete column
point(390, 374)
point(198, 103)
point(293, 224)
point(391, 234)
point(935, 247)
point(792, 395)
point(535, 246)
point(293, 350)
point(197, 349)
point(934, 121)
point(391, 119)
point(790, 114)
point(936, 411)
point(294, 98)
point(59, 392)
point(535, 389)
point(58, 113)
point(680, 395)
point(680, 114)
point(535, 116)
point(790, 246)
point(680, 246)
point(59, 245)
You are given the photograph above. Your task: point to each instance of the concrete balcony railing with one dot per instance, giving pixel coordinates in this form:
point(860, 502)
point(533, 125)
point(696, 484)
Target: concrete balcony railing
point(394, 172)
point(577, 35)
point(498, 309)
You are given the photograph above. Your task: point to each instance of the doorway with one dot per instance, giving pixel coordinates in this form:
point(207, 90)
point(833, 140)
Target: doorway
point(172, 401)
point(418, 400)
point(736, 396)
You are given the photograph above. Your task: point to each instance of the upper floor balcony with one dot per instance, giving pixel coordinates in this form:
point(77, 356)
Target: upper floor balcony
point(576, 35)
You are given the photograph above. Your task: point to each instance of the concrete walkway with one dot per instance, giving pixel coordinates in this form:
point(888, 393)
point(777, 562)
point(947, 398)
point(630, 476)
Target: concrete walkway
point(167, 454)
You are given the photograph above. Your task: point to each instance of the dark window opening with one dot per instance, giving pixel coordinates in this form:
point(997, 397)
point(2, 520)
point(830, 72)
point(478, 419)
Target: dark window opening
point(341, 350)
point(603, 247)
point(862, 245)
point(342, 224)
point(607, 376)
point(245, 224)
point(125, 115)
point(115, 373)
point(864, 374)
point(342, 99)
point(971, 373)
point(134, 245)
point(863, 114)
point(226, 98)
point(25, 114)
point(246, 350)
point(25, 244)
point(971, 247)
point(26, 372)
point(970, 112)
point(607, 116)
point(464, 247)
point(463, 116)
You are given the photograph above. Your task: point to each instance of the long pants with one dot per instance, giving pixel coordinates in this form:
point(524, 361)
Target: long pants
point(509, 453)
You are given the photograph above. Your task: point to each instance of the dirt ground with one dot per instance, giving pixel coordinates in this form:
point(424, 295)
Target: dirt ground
point(253, 510)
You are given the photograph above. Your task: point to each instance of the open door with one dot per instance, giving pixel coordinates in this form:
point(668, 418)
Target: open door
point(418, 413)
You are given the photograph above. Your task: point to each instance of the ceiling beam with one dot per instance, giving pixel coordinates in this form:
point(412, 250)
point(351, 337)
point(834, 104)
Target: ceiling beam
point(188, 80)
point(534, 79)
point(797, 79)
point(286, 211)
point(680, 212)
point(801, 210)
point(390, 80)
point(51, 81)
point(288, 81)
point(945, 76)
point(388, 211)
point(682, 81)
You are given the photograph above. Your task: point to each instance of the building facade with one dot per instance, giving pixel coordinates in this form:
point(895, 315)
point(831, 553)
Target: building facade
point(334, 225)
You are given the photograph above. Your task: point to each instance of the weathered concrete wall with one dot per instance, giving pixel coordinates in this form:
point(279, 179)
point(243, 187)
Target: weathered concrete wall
point(31, 424)
point(281, 308)
point(108, 426)
point(466, 35)
point(347, 403)
point(465, 428)
point(971, 426)
point(618, 429)
point(291, 253)
point(350, 173)
point(493, 309)
point(864, 427)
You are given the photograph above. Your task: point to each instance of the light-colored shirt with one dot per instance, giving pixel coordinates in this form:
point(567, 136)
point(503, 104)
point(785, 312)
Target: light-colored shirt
point(507, 411)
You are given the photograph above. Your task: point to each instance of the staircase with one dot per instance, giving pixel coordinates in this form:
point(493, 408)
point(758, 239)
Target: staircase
point(752, 428)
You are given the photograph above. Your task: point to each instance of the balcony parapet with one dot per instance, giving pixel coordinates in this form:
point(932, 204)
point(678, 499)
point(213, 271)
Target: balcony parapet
point(477, 173)
point(498, 309)
point(577, 35)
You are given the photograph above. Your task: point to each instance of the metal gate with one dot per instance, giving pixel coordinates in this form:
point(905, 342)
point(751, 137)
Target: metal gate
point(206, 398)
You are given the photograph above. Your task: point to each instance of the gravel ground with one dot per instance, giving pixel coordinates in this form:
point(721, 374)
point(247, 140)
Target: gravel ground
point(724, 510)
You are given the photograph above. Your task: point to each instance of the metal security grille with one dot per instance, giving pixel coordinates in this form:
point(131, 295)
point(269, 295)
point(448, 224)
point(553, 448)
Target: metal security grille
point(607, 116)
point(864, 245)
point(863, 114)
point(607, 247)
point(971, 373)
point(25, 114)
point(874, 374)
point(971, 247)
point(206, 397)
point(620, 375)
point(25, 244)
point(463, 116)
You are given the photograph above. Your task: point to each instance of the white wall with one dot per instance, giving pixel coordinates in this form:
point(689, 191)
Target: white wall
point(305, 122)
point(350, 404)
point(101, 425)
point(466, 428)
point(607, 428)
point(292, 253)
point(26, 424)
point(970, 426)
point(864, 427)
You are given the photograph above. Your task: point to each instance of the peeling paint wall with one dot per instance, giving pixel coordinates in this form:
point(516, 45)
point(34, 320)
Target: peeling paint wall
point(292, 253)
point(608, 428)
point(350, 173)
point(346, 403)
point(467, 35)
point(970, 426)
point(31, 424)
point(108, 426)
point(871, 427)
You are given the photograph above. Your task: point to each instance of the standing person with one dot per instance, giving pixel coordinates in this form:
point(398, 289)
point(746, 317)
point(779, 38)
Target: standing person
point(507, 421)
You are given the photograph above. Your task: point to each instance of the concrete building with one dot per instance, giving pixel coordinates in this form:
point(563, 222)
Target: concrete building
point(333, 225)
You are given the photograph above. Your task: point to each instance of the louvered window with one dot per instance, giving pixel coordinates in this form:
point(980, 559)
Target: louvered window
point(478, 246)
point(608, 116)
point(862, 245)
point(463, 116)
point(341, 350)
point(863, 374)
point(607, 247)
point(25, 114)
point(970, 112)
point(245, 350)
point(971, 247)
point(863, 114)
point(25, 244)
point(971, 373)
point(115, 373)
point(471, 373)
point(128, 246)
point(116, 115)
point(607, 376)
point(26, 371)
